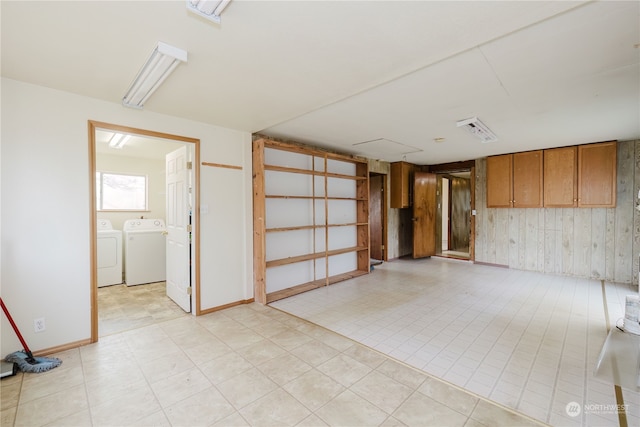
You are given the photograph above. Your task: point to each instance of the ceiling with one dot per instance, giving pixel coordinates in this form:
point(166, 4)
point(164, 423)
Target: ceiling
point(136, 146)
point(382, 79)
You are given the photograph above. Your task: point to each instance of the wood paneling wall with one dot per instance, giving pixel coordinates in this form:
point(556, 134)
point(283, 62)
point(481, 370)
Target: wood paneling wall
point(460, 213)
point(599, 243)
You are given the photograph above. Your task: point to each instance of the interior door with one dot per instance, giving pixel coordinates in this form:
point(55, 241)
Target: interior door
point(376, 228)
point(424, 214)
point(178, 229)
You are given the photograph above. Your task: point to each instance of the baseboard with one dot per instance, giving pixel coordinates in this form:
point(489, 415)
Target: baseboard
point(490, 264)
point(222, 307)
point(61, 348)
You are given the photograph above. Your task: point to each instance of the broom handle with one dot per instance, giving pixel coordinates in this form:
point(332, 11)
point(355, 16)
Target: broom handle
point(15, 328)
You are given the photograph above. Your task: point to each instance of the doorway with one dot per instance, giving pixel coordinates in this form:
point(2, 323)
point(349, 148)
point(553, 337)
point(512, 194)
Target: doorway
point(377, 217)
point(454, 219)
point(118, 306)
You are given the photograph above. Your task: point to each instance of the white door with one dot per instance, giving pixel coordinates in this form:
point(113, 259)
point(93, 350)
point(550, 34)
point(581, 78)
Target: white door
point(178, 229)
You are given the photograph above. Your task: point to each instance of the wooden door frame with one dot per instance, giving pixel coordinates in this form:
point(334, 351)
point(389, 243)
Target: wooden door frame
point(470, 166)
point(93, 126)
point(384, 202)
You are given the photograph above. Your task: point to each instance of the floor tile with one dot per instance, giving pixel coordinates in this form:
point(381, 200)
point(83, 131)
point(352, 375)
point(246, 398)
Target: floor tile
point(283, 369)
point(349, 409)
point(225, 367)
point(202, 409)
point(180, 386)
point(420, 410)
point(315, 352)
point(246, 388)
point(138, 402)
point(344, 369)
point(52, 407)
point(277, 408)
point(448, 395)
point(314, 389)
point(384, 392)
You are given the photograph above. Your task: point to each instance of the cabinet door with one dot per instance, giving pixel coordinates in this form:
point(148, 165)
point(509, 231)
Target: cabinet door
point(401, 184)
point(499, 181)
point(527, 179)
point(561, 177)
point(597, 175)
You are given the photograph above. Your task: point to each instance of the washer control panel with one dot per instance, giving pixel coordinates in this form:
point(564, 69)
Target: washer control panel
point(143, 224)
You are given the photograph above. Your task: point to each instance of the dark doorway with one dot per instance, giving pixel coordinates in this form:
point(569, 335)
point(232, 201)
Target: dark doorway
point(377, 237)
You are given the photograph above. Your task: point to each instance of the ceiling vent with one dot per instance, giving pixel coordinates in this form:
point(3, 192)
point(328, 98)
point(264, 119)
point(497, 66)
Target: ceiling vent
point(478, 129)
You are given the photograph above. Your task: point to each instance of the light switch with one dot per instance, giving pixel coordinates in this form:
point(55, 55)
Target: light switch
point(204, 209)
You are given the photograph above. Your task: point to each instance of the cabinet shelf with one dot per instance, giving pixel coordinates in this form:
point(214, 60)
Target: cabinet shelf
point(316, 255)
point(313, 172)
point(285, 293)
point(314, 197)
point(316, 226)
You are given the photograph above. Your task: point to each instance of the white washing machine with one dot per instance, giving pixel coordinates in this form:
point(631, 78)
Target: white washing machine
point(144, 251)
point(109, 251)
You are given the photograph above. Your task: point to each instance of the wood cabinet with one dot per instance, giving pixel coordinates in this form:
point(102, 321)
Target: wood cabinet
point(500, 181)
point(579, 176)
point(402, 184)
point(597, 175)
point(515, 180)
point(527, 179)
point(311, 213)
point(561, 177)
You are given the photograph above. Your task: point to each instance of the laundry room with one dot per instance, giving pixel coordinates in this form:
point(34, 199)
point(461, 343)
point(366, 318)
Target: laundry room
point(131, 204)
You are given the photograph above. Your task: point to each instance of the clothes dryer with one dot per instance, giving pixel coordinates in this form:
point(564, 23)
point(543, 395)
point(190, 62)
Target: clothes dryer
point(144, 251)
point(109, 251)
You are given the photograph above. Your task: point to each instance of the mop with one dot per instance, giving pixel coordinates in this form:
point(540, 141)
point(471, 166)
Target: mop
point(24, 359)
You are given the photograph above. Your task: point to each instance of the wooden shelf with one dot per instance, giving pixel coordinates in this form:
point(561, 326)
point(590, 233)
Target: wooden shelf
point(314, 197)
point(285, 293)
point(312, 172)
point(316, 226)
point(307, 257)
point(348, 177)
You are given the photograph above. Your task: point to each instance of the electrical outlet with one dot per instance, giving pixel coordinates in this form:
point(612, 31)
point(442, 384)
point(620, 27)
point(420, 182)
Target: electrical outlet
point(38, 324)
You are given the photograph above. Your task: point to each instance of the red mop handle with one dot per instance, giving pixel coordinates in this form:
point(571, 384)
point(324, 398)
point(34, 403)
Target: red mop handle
point(15, 328)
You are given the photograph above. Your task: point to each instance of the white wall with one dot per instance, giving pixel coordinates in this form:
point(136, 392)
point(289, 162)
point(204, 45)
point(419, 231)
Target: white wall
point(45, 242)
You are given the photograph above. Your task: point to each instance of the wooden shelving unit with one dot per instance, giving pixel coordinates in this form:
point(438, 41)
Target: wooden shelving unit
point(311, 218)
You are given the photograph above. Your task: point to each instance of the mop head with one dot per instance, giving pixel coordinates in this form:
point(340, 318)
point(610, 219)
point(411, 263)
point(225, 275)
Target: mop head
point(27, 363)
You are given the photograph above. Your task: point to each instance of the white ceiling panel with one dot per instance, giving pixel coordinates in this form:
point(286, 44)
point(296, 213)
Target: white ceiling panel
point(335, 73)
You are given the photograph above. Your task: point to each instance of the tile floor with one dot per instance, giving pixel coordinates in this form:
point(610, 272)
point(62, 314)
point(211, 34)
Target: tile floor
point(526, 340)
point(247, 365)
point(121, 307)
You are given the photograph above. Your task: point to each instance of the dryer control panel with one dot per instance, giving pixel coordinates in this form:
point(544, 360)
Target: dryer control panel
point(143, 224)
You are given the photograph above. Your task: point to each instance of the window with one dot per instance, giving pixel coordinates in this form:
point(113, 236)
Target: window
point(121, 192)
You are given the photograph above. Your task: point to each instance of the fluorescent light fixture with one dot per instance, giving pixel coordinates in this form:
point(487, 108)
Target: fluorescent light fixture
point(118, 140)
point(163, 60)
point(478, 129)
point(210, 9)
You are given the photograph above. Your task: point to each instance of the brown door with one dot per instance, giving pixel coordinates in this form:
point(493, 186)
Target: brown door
point(424, 215)
point(376, 227)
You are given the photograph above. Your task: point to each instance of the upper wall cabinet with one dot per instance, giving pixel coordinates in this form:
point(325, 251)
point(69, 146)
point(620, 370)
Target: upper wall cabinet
point(561, 177)
point(500, 181)
point(515, 180)
point(597, 167)
point(402, 184)
point(527, 179)
point(579, 176)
